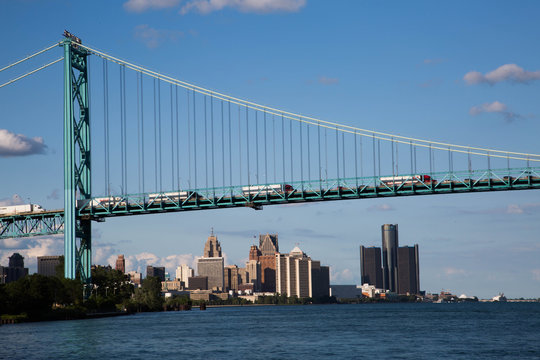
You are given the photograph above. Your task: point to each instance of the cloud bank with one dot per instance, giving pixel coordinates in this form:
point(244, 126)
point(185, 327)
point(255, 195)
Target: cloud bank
point(494, 107)
point(12, 144)
point(153, 38)
point(14, 200)
point(507, 72)
point(144, 5)
point(246, 6)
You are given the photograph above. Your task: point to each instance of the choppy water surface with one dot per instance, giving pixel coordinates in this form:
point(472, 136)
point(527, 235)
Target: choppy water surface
point(397, 331)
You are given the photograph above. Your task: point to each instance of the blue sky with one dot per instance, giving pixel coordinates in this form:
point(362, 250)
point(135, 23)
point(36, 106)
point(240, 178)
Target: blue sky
point(387, 66)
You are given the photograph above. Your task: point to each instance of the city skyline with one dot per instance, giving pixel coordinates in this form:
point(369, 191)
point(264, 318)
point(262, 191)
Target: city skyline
point(382, 67)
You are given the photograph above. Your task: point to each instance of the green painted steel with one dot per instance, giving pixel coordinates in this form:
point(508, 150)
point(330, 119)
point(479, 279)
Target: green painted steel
point(77, 170)
point(257, 196)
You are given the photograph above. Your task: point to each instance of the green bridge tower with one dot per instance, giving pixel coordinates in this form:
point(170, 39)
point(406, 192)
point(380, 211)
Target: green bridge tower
point(77, 175)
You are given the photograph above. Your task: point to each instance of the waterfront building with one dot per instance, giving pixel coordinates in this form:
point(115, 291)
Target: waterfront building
point(298, 275)
point(346, 291)
point(370, 265)
point(253, 274)
point(121, 264)
point(390, 243)
point(15, 269)
point(174, 285)
point(135, 277)
point(212, 247)
point(183, 273)
point(212, 268)
point(231, 277)
point(158, 272)
point(408, 270)
point(46, 265)
point(198, 282)
point(269, 247)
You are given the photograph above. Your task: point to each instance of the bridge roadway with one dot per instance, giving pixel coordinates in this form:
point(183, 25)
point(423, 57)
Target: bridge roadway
point(51, 222)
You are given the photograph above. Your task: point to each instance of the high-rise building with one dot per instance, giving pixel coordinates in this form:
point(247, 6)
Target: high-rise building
point(46, 265)
point(183, 273)
point(408, 270)
point(212, 248)
point(253, 270)
point(212, 268)
point(121, 264)
point(15, 269)
point(269, 247)
point(390, 244)
point(370, 265)
point(295, 274)
point(231, 277)
point(198, 283)
point(158, 272)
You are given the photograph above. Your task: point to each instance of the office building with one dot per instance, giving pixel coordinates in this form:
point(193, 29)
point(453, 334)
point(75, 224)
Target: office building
point(15, 269)
point(212, 268)
point(121, 264)
point(370, 265)
point(295, 274)
point(46, 265)
point(253, 274)
point(212, 248)
point(231, 277)
point(390, 244)
point(183, 273)
point(408, 270)
point(135, 277)
point(158, 272)
point(269, 247)
point(198, 282)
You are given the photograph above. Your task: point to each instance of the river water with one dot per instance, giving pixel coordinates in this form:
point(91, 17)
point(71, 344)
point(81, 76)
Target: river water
point(364, 331)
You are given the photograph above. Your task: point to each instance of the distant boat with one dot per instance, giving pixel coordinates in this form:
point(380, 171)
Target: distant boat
point(499, 298)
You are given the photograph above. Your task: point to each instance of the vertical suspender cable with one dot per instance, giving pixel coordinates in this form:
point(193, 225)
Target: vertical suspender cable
point(319, 150)
point(194, 140)
point(326, 156)
point(337, 156)
point(308, 155)
point(122, 139)
point(343, 152)
point(155, 139)
point(283, 147)
point(189, 138)
point(265, 153)
point(374, 164)
point(290, 143)
point(240, 145)
point(205, 144)
point(230, 149)
point(172, 139)
point(411, 153)
point(159, 132)
point(257, 147)
point(106, 123)
point(355, 159)
point(274, 145)
point(222, 145)
point(212, 138)
point(139, 131)
point(142, 132)
point(361, 158)
point(177, 140)
point(301, 156)
point(247, 146)
point(393, 164)
point(379, 155)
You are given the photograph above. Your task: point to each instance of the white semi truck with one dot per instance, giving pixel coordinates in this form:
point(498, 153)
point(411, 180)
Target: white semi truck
point(20, 209)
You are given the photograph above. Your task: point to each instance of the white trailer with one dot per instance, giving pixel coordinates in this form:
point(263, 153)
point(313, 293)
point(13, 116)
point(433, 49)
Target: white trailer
point(21, 209)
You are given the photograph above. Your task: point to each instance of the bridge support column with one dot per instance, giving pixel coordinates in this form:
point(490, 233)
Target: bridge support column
point(77, 175)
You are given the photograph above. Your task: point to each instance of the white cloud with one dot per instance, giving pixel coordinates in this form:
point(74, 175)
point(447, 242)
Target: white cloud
point(328, 80)
point(143, 5)
point(247, 6)
point(31, 248)
point(507, 72)
point(153, 38)
point(494, 107)
point(342, 276)
point(19, 145)
point(522, 209)
point(14, 200)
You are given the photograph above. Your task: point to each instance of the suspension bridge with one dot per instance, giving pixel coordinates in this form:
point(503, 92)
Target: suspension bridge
point(160, 144)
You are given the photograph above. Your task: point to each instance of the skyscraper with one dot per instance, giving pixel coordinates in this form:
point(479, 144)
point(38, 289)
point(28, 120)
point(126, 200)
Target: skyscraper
point(370, 265)
point(212, 248)
point(214, 270)
point(15, 270)
point(156, 271)
point(408, 270)
point(269, 247)
point(121, 264)
point(390, 244)
point(183, 273)
point(47, 265)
